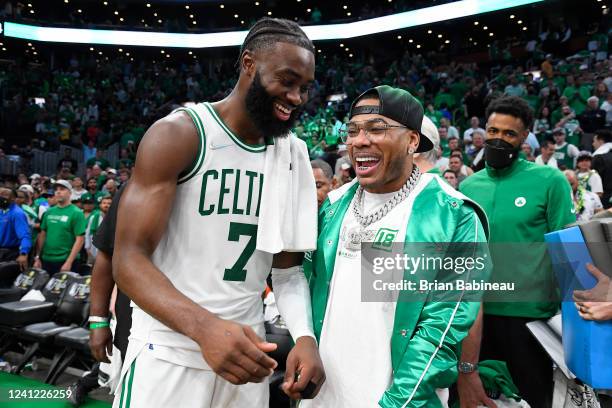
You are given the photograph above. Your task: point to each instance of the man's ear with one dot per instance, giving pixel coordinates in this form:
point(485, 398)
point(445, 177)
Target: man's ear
point(247, 63)
point(334, 183)
point(413, 142)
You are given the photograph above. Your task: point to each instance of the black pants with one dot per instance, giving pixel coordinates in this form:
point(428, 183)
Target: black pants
point(8, 254)
point(55, 267)
point(508, 339)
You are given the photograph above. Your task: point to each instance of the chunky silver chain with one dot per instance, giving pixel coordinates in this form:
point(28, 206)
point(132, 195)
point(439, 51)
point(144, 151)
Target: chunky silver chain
point(397, 198)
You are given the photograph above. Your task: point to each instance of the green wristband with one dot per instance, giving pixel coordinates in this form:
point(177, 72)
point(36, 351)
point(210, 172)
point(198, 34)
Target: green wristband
point(98, 325)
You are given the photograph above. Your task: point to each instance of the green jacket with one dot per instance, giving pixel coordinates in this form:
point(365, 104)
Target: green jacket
point(427, 335)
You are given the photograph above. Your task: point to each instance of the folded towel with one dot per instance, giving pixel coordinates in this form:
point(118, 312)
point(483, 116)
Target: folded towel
point(288, 212)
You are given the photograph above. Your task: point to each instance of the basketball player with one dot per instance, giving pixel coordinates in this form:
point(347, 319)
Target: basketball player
point(186, 253)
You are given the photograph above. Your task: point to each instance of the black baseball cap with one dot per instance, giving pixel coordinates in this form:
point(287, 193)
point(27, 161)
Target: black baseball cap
point(399, 105)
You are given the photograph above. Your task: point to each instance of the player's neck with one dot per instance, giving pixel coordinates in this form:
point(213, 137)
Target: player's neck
point(234, 114)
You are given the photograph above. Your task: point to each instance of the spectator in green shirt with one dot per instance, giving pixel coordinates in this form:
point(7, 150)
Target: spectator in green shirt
point(433, 114)
point(62, 233)
point(92, 192)
point(523, 201)
point(124, 160)
point(93, 222)
point(443, 132)
point(445, 97)
point(577, 94)
point(99, 160)
point(126, 138)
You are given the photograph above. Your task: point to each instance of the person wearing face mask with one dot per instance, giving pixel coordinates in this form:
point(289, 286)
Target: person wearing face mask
point(524, 201)
point(15, 234)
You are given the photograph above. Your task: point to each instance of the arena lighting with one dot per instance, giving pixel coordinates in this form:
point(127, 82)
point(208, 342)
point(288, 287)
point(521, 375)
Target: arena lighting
point(449, 11)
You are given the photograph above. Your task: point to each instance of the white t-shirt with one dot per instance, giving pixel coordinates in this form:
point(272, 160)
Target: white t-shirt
point(552, 162)
point(592, 203)
point(355, 343)
point(453, 132)
point(606, 106)
point(76, 194)
point(595, 183)
point(442, 163)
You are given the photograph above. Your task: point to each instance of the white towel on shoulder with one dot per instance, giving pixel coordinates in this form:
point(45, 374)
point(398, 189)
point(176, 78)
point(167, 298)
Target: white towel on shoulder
point(288, 211)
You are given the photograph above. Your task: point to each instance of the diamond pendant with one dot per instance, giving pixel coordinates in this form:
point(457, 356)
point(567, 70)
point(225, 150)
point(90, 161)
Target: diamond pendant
point(353, 239)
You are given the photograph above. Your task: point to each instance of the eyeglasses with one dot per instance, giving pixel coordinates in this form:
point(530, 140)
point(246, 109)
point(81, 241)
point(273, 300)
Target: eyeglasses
point(375, 130)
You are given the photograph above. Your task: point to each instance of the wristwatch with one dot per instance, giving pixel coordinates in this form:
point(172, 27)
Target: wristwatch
point(466, 368)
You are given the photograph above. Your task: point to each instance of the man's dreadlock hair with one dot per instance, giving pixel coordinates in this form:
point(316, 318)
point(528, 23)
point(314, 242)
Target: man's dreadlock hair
point(268, 31)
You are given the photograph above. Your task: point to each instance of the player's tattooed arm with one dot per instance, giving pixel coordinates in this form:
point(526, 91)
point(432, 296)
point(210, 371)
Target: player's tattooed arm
point(169, 147)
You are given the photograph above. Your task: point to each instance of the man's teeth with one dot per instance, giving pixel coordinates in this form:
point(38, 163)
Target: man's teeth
point(366, 159)
point(282, 108)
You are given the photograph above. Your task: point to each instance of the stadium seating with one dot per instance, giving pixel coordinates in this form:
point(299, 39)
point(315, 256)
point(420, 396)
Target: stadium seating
point(71, 312)
point(74, 344)
point(21, 313)
point(8, 272)
point(34, 279)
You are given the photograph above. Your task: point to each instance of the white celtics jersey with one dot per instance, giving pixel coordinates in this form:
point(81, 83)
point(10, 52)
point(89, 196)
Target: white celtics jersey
point(208, 250)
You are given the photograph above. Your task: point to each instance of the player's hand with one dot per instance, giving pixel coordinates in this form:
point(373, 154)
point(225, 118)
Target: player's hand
point(471, 392)
point(235, 352)
point(37, 263)
point(66, 267)
point(303, 360)
point(22, 260)
point(101, 342)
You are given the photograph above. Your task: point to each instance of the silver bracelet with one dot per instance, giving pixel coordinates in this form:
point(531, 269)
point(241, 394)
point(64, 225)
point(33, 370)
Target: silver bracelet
point(98, 319)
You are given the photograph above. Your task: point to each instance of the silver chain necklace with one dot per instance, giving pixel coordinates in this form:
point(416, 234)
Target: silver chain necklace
point(398, 197)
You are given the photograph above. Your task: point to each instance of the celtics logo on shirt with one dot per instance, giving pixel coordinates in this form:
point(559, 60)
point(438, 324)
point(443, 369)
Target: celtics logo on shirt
point(520, 202)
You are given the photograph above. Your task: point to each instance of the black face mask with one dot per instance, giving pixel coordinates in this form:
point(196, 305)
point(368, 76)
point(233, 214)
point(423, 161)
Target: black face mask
point(260, 106)
point(4, 203)
point(499, 153)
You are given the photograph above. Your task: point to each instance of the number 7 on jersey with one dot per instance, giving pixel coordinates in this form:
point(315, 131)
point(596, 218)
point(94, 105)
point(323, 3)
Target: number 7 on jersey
point(236, 230)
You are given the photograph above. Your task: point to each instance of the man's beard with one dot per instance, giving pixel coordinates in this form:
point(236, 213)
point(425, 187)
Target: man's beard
point(260, 107)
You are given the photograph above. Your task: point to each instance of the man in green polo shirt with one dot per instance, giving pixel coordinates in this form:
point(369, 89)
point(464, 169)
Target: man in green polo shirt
point(523, 201)
point(62, 233)
point(99, 160)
